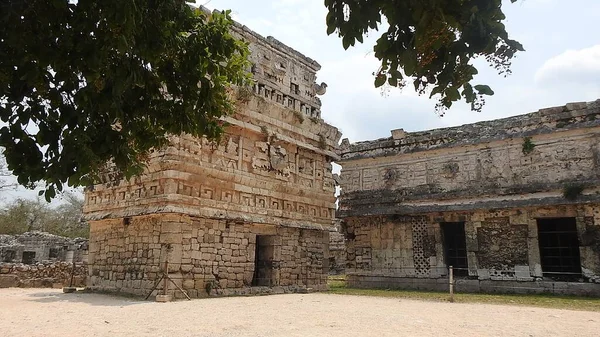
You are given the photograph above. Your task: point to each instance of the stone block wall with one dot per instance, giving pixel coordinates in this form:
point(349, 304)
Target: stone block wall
point(37, 247)
point(206, 256)
point(42, 275)
point(502, 250)
point(497, 179)
point(519, 161)
point(337, 251)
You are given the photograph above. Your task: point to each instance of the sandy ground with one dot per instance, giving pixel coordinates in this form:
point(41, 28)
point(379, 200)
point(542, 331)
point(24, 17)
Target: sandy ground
point(48, 312)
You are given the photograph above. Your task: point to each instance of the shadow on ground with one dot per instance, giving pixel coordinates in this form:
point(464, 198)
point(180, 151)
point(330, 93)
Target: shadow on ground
point(94, 299)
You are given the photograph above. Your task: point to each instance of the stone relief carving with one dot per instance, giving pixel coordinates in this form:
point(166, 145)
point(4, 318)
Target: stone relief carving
point(232, 146)
point(390, 176)
point(305, 166)
point(278, 158)
point(450, 170)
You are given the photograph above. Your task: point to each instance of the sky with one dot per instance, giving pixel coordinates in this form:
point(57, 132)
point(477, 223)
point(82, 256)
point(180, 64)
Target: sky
point(561, 64)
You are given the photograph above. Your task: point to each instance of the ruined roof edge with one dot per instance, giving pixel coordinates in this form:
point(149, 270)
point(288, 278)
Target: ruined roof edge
point(475, 133)
point(272, 42)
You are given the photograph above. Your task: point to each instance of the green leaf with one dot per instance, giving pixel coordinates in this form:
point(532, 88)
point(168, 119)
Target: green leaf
point(330, 29)
point(409, 62)
point(347, 41)
point(435, 42)
point(452, 94)
point(379, 80)
point(110, 68)
point(484, 90)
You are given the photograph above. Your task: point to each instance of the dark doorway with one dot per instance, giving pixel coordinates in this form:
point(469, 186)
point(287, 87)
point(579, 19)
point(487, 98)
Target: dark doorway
point(263, 261)
point(28, 257)
point(559, 249)
point(455, 247)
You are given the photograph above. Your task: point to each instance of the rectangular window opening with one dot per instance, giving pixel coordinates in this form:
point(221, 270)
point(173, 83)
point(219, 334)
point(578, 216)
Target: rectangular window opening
point(53, 254)
point(9, 255)
point(455, 247)
point(28, 258)
point(559, 249)
point(263, 261)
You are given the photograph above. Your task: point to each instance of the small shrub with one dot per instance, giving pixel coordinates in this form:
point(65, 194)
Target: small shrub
point(244, 94)
point(528, 145)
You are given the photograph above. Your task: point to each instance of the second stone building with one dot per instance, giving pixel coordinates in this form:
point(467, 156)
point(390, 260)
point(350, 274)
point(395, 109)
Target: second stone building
point(513, 205)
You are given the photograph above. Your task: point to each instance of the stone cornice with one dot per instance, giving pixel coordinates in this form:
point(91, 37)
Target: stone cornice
point(562, 118)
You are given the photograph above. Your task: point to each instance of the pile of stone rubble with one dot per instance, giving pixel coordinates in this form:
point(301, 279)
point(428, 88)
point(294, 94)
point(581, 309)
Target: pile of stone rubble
point(42, 275)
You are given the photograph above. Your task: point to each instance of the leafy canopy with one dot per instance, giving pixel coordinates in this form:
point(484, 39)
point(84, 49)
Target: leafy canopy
point(88, 83)
point(5, 184)
point(430, 42)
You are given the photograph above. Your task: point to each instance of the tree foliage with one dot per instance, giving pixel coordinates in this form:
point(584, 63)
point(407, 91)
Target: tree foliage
point(429, 42)
point(5, 183)
point(85, 83)
point(24, 215)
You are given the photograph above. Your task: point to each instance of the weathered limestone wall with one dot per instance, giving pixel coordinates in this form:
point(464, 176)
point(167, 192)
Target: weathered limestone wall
point(203, 204)
point(36, 247)
point(337, 251)
point(273, 166)
point(481, 165)
point(206, 257)
point(41, 275)
point(502, 245)
point(498, 177)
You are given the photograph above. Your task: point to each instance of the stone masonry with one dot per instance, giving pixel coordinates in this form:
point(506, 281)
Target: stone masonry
point(251, 213)
point(337, 251)
point(515, 202)
point(37, 247)
point(42, 275)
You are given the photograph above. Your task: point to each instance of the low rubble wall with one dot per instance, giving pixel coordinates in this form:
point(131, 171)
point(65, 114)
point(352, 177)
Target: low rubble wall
point(42, 275)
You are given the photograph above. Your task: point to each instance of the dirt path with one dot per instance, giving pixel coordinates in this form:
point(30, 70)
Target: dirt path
point(42, 312)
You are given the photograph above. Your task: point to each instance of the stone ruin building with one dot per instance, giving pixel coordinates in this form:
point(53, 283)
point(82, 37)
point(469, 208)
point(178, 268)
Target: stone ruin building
point(37, 247)
point(249, 214)
point(512, 204)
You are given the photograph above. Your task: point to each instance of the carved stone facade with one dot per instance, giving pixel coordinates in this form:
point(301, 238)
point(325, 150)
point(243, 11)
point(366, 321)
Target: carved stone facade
point(513, 203)
point(251, 211)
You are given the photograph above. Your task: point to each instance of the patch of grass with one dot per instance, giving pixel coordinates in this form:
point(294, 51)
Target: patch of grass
point(336, 281)
point(338, 287)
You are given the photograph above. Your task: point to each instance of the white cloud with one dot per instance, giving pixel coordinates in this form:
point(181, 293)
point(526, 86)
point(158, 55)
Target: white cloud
point(577, 66)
